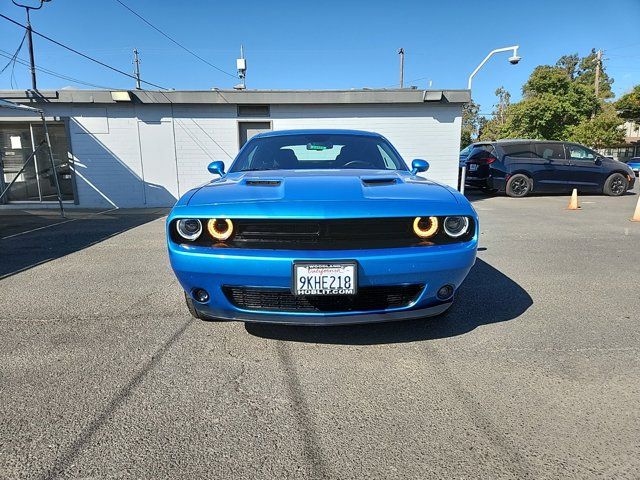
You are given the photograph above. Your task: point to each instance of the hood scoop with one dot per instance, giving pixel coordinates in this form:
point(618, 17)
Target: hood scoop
point(379, 181)
point(262, 183)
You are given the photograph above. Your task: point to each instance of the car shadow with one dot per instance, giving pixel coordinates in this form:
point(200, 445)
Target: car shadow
point(476, 195)
point(32, 240)
point(487, 296)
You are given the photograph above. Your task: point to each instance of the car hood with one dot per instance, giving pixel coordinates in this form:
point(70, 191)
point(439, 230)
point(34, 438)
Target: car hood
point(323, 193)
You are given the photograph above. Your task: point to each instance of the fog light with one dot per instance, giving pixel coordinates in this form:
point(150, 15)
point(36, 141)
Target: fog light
point(445, 292)
point(201, 295)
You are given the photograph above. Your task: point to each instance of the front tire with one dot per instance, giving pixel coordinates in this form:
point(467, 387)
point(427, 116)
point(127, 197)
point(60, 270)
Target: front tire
point(616, 185)
point(519, 186)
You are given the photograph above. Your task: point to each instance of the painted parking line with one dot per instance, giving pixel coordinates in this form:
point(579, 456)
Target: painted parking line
point(58, 223)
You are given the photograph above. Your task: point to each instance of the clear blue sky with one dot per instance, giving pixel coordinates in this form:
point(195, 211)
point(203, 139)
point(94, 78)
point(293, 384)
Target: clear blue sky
point(326, 45)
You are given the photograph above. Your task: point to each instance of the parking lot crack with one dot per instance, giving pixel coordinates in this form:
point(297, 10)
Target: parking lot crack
point(310, 440)
point(66, 459)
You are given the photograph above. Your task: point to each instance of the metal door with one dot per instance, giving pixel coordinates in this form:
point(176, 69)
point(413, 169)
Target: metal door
point(246, 130)
point(159, 172)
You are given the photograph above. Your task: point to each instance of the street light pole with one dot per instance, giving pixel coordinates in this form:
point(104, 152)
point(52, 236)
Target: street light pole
point(513, 60)
point(30, 39)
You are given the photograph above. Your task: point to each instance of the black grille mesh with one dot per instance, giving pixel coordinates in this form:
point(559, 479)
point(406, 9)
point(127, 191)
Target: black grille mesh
point(282, 300)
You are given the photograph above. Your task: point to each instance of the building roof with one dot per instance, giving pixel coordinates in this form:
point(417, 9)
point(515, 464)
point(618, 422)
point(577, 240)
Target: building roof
point(239, 97)
point(321, 131)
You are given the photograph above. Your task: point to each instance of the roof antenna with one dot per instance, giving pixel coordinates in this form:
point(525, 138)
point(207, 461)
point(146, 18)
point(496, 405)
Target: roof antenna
point(241, 65)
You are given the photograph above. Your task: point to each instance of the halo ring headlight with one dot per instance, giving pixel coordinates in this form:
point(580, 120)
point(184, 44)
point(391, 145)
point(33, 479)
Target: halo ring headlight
point(220, 228)
point(456, 226)
point(189, 228)
point(431, 227)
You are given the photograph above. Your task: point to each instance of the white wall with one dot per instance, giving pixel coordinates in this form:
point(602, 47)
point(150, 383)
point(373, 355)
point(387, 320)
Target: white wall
point(148, 155)
point(427, 131)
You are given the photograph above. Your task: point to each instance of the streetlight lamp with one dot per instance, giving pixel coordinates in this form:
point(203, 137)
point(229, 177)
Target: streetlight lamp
point(513, 60)
point(30, 38)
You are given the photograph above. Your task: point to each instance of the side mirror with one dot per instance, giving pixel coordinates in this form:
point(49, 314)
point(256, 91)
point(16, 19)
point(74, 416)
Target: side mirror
point(216, 168)
point(419, 165)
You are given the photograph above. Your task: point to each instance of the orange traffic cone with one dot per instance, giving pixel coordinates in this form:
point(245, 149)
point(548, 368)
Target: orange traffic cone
point(573, 203)
point(636, 214)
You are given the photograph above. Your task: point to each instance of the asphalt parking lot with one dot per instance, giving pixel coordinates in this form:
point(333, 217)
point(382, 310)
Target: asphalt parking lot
point(534, 373)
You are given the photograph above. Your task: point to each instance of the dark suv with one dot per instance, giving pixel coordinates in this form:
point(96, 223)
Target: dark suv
point(519, 167)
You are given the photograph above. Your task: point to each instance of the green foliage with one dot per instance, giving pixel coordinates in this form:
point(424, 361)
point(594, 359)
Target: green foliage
point(586, 75)
point(470, 123)
point(496, 128)
point(629, 105)
point(546, 79)
point(601, 130)
point(569, 64)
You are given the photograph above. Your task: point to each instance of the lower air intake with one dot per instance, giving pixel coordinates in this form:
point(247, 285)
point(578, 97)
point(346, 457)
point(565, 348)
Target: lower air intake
point(282, 300)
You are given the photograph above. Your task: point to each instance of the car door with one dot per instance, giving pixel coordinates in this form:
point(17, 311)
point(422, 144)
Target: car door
point(585, 168)
point(553, 169)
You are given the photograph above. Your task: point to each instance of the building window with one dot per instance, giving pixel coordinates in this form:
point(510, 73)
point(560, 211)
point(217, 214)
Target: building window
point(36, 183)
point(253, 110)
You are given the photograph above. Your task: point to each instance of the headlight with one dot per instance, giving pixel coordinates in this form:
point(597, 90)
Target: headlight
point(456, 226)
point(425, 227)
point(220, 228)
point(189, 228)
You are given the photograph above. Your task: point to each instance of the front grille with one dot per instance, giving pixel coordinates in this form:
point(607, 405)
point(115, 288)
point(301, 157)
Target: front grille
point(282, 300)
point(331, 234)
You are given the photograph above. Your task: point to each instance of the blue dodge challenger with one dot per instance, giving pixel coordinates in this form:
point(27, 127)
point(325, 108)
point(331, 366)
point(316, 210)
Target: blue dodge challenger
point(318, 227)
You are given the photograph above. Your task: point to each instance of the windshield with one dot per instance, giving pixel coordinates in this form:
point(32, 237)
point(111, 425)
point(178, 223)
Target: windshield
point(315, 151)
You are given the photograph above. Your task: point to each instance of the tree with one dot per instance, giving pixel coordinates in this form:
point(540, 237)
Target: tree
point(552, 104)
point(470, 123)
point(504, 100)
point(601, 130)
point(586, 74)
point(629, 105)
point(496, 128)
point(569, 64)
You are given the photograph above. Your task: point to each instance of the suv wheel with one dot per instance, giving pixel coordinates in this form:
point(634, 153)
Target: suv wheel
point(616, 185)
point(519, 186)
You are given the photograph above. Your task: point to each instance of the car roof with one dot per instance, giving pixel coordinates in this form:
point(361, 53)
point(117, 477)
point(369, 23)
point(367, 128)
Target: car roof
point(311, 131)
point(526, 140)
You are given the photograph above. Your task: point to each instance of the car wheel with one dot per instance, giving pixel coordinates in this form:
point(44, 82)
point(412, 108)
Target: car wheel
point(192, 309)
point(519, 186)
point(616, 185)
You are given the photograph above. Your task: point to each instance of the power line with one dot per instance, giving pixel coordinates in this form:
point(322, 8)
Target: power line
point(5, 54)
point(15, 54)
point(166, 35)
point(71, 49)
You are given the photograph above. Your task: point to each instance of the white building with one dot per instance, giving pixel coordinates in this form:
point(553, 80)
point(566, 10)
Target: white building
point(146, 148)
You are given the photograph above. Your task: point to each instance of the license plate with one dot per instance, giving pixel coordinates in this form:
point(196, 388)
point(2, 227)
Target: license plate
point(473, 167)
point(334, 278)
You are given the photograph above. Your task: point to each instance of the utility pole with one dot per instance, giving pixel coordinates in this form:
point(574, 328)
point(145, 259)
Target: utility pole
point(401, 53)
point(30, 39)
point(598, 65)
point(136, 72)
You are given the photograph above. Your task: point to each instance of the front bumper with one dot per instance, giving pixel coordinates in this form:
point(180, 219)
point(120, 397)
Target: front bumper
point(211, 269)
point(490, 182)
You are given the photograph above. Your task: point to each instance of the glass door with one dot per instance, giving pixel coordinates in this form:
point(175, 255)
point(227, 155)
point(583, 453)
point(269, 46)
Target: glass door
point(15, 147)
point(36, 183)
